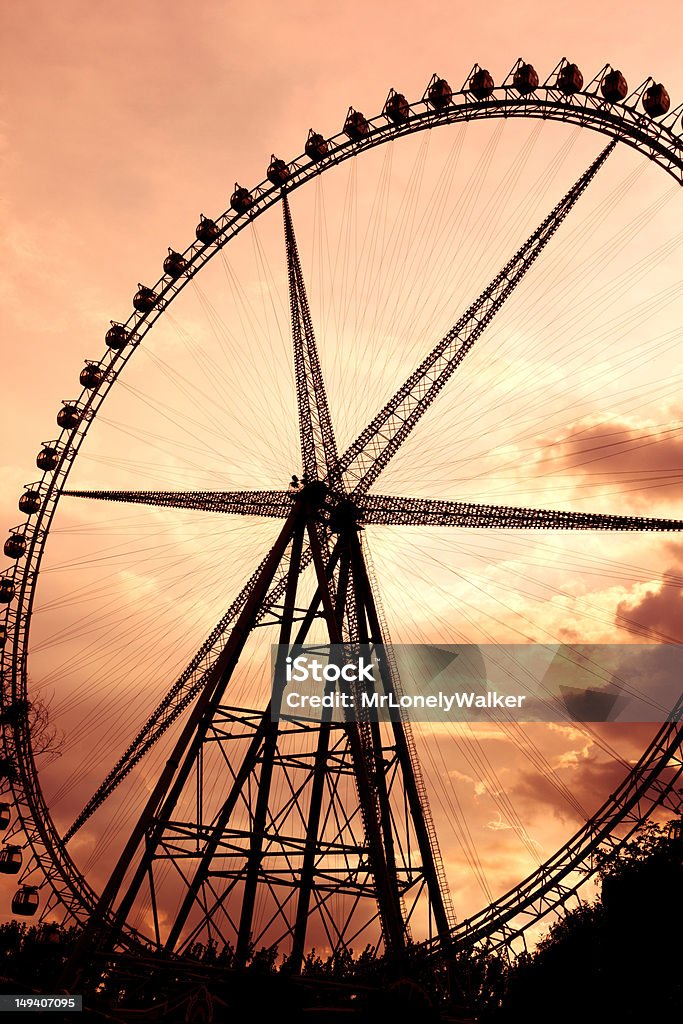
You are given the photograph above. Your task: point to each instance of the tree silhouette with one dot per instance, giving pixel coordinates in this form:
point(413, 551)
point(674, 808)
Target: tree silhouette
point(617, 958)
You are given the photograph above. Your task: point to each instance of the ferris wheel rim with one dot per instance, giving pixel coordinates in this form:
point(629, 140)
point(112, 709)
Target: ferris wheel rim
point(586, 108)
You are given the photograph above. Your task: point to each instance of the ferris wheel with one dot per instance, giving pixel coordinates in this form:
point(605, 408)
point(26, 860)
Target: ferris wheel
point(207, 820)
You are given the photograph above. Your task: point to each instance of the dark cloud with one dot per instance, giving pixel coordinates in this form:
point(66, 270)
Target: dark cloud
point(659, 613)
point(643, 462)
point(590, 781)
point(629, 738)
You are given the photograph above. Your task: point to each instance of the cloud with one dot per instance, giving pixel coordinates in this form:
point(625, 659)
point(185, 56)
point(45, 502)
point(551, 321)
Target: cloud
point(588, 783)
point(644, 462)
point(656, 610)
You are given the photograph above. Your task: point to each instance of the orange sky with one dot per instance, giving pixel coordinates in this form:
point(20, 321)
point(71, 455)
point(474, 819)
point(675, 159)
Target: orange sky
point(119, 125)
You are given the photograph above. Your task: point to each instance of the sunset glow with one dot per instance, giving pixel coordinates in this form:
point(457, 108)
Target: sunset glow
point(119, 127)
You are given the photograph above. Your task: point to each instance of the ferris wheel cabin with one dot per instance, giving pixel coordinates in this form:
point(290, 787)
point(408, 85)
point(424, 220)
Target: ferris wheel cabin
point(207, 230)
point(570, 79)
point(29, 502)
point(91, 376)
point(316, 147)
point(116, 337)
point(10, 859)
point(656, 100)
point(26, 901)
point(175, 265)
point(356, 125)
point(396, 108)
point(15, 546)
point(614, 87)
point(525, 79)
point(47, 458)
point(241, 200)
point(439, 93)
point(68, 417)
point(481, 84)
point(278, 172)
point(145, 299)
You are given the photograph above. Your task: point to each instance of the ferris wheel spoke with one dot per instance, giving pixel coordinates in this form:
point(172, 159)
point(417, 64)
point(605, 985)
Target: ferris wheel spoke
point(192, 681)
point(374, 448)
point(271, 504)
point(318, 444)
point(386, 510)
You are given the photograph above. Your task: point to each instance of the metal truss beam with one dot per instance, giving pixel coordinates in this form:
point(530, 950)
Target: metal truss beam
point(100, 929)
point(318, 445)
point(192, 681)
point(377, 444)
point(395, 511)
point(272, 504)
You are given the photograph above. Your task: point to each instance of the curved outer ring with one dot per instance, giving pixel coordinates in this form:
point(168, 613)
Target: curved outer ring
point(544, 890)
